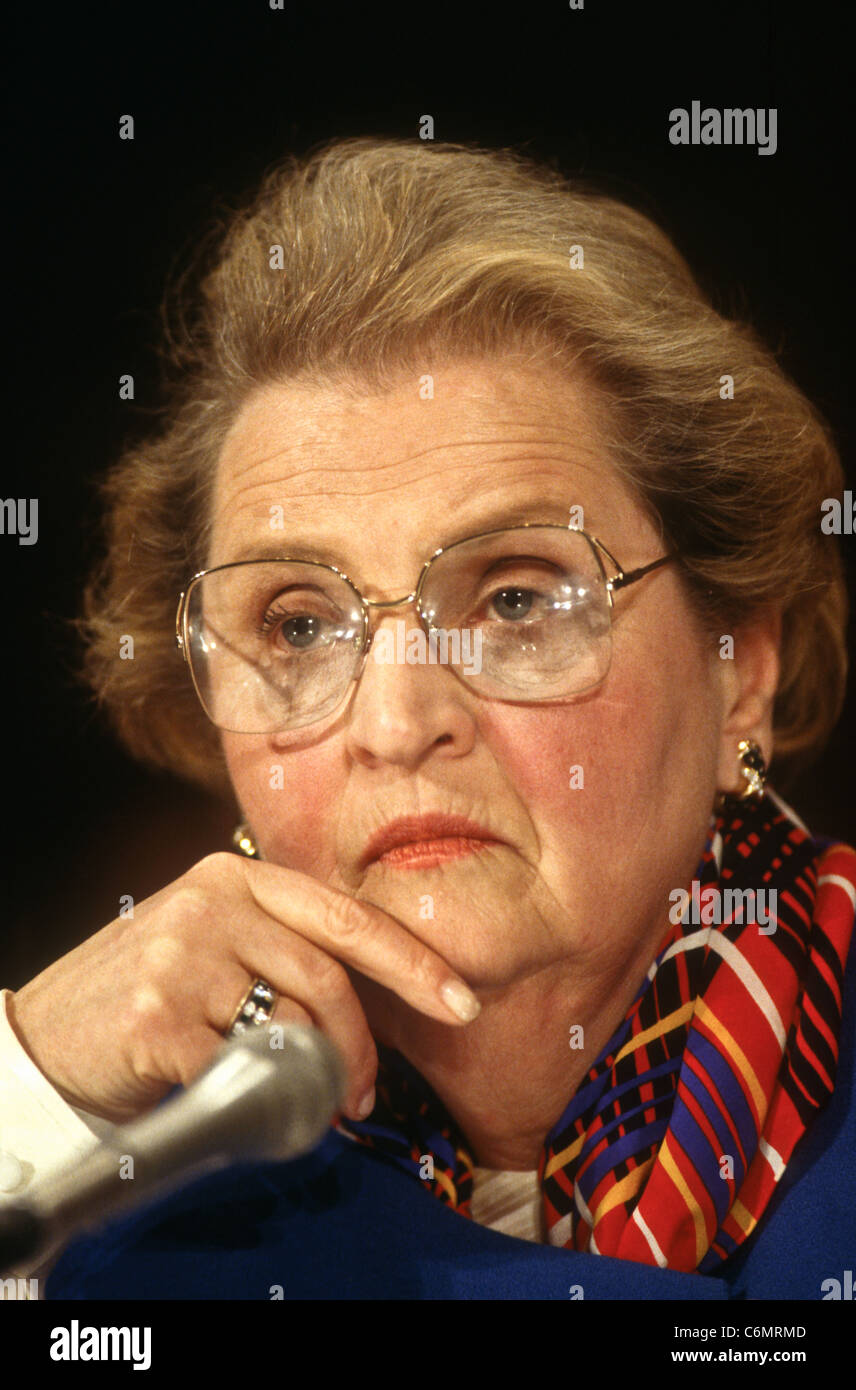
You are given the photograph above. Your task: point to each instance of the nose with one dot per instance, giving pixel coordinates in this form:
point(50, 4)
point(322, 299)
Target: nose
point(405, 709)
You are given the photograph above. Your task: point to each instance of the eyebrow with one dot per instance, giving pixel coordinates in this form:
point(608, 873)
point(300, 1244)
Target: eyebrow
point(293, 549)
point(288, 550)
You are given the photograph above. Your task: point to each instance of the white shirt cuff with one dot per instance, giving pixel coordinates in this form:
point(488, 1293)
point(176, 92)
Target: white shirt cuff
point(39, 1131)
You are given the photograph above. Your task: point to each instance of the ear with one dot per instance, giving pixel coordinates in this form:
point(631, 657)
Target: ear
point(749, 680)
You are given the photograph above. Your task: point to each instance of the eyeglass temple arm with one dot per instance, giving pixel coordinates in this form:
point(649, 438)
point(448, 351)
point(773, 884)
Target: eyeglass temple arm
point(621, 580)
point(182, 645)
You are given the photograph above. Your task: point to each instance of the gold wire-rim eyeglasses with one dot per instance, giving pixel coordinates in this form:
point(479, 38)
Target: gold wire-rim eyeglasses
point(619, 579)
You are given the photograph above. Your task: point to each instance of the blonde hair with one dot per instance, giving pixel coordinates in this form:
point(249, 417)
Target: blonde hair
point(393, 253)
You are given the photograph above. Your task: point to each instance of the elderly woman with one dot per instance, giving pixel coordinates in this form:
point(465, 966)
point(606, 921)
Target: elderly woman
point(500, 579)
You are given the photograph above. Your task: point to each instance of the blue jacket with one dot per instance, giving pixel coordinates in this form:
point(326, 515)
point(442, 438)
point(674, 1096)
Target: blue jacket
point(346, 1223)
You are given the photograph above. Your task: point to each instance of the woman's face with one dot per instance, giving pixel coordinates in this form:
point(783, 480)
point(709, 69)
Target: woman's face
point(581, 866)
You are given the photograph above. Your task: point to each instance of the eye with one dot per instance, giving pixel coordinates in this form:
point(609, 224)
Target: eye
point(301, 632)
point(290, 625)
point(513, 603)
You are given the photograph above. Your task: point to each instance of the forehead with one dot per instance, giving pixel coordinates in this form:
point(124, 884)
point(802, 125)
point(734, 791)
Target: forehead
point(331, 471)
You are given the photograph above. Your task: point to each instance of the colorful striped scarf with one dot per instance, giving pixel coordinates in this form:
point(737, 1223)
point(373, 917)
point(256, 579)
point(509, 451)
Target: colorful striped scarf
point(673, 1144)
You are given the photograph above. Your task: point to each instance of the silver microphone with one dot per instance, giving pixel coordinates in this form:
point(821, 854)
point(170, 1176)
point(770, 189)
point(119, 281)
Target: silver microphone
point(272, 1092)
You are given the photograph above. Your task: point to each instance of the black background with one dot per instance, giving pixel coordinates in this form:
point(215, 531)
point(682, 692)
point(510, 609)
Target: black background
point(218, 92)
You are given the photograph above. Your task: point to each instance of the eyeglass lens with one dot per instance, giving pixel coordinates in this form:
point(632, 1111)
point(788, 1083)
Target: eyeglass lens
point(521, 614)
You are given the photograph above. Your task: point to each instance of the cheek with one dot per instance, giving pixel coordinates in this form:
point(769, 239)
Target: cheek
point(592, 774)
point(287, 800)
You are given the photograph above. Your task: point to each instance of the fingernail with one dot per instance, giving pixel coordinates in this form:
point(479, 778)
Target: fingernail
point(460, 1000)
point(366, 1105)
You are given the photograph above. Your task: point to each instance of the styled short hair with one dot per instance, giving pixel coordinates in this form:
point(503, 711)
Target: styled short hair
point(371, 257)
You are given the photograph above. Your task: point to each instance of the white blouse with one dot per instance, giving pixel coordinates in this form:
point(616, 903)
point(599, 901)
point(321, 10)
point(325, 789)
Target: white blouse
point(509, 1202)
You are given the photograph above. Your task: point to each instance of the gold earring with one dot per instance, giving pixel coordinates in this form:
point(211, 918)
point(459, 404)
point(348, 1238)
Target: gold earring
point(243, 841)
point(753, 768)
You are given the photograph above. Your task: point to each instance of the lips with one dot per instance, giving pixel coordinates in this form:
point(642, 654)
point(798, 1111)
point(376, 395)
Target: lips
point(426, 841)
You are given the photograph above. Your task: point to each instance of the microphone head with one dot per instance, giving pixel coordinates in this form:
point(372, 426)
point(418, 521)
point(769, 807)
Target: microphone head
point(277, 1086)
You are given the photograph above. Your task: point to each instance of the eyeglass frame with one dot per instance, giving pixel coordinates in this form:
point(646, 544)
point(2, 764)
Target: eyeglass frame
point(620, 580)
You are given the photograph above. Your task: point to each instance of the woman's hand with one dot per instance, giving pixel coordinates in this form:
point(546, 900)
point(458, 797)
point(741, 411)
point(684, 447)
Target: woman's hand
point(144, 1003)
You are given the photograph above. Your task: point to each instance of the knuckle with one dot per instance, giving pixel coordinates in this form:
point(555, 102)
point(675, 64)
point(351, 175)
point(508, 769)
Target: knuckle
point(425, 970)
point(347, 919)
point(146, 1010)
point(421, 967)
point(214, 867)
point(163, 955)
point(192, 902)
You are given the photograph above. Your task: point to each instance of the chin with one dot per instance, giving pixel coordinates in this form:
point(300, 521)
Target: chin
point(487, 945)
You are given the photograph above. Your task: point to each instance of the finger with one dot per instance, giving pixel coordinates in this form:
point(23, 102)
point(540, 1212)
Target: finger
point(362, 936)
point(360, 1098)
point(289, 1011)
point(201, 964)
point(313, 981)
